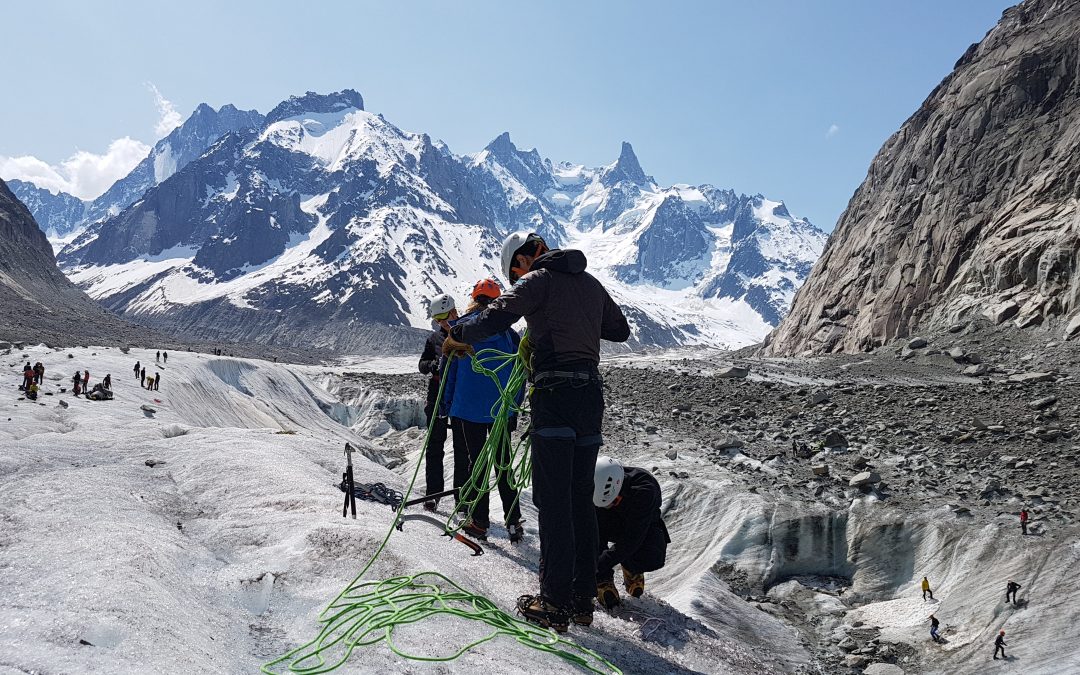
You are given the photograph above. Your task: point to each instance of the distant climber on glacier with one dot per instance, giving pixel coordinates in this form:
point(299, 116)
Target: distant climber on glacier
point(926, 589)
point(469, 399)
point(934, 623)
point(627, 501)
point(1000, 645)
point(441, 310)
point(568, 312)
point(1023, 521)
point(137, 367)
point(1010, 589)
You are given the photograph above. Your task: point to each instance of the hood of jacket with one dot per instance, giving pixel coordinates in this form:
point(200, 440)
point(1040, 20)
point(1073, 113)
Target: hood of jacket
point(569, 261)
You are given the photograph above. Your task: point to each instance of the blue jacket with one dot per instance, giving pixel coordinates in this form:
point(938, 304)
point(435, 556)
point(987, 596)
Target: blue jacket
point(469, 395)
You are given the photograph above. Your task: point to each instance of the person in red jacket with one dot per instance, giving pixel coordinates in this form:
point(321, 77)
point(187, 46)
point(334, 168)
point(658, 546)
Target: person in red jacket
point(1023, 521)
point(86, 380)
point(28, 377)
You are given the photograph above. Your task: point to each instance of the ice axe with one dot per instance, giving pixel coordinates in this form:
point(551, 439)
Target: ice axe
point(350, 498)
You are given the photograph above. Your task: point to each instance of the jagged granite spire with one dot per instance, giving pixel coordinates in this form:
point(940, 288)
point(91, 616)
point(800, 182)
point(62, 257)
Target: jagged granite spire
point(626, 168)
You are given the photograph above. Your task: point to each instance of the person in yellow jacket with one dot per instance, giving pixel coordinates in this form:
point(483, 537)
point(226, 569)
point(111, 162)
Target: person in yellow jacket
point(926, 589)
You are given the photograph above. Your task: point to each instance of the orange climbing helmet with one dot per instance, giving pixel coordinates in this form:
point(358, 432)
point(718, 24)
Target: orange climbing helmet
point(486, 288)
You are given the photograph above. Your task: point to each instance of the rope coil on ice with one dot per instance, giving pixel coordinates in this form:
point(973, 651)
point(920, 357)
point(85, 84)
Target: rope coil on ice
point(368, 612)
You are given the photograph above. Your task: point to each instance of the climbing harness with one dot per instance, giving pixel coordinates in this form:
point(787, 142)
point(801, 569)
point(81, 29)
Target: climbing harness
point(368, 612)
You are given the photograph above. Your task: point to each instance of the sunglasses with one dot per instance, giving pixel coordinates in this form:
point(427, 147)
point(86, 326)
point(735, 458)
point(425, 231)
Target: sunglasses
point(442, 317)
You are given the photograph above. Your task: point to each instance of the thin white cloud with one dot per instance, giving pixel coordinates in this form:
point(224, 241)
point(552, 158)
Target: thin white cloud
point(833, 130)
point(85, 174)
point(168, 118)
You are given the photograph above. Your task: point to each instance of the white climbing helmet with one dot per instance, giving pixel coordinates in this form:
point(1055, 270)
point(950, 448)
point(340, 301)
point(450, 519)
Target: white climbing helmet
point(607, 481)
point(511, 244)
point(440, 304)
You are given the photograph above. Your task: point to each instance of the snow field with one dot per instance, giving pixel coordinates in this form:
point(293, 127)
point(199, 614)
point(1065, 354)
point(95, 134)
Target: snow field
point(221, 555)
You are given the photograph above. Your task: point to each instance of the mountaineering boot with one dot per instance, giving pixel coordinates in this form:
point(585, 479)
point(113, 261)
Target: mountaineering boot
point(539, 611)
point(431, 505)
point(471, 529)
point(606, 594)
point(634, 583)
point(583, 610)
point(516, 532)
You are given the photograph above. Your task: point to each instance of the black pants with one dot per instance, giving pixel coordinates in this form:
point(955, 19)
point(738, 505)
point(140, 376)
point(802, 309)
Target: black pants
point(434, 452)
point(566, 421)
point(925, 593)
point(1023, 526)
point(469, 439)
point(1008, 593)
point(649, 557)
point(1001, 649)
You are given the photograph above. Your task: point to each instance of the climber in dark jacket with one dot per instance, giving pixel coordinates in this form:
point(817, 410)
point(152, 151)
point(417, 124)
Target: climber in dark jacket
point(568, 312)
point(627, 504)
point(1000, 645)
point(441, 310)
point(1010, 589)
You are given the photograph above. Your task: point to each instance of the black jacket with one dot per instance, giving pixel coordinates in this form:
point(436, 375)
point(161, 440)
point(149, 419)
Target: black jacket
point(1000, 641)
point(430, 361)
point(567, 310)
point(626, 524)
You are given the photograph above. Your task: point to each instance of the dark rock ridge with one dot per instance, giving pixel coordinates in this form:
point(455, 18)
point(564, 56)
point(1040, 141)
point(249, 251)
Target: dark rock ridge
point(312, 102)
point(37, 302)
point(970, 208)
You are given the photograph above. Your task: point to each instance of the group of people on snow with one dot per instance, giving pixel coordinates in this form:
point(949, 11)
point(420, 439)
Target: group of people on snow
point(999, 643)
point(153, 382)
point(33, 378)
point(594, 514)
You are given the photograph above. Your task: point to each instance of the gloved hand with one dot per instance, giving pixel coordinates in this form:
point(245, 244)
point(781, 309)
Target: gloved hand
point(525, 351)
point(607, 594)
point(451, 346)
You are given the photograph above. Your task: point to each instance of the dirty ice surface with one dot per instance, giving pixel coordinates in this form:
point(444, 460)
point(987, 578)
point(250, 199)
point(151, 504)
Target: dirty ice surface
point(198, 529)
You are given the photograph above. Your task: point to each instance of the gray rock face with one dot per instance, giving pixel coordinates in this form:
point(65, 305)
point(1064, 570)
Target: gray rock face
point(37, 302)
point(971, 206)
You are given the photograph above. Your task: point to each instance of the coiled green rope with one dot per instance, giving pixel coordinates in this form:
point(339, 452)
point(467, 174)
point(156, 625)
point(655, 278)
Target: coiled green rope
point(368, 612)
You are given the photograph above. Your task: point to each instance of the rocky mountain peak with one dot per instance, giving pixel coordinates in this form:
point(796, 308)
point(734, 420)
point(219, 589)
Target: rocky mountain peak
point(312, 102)
point(626, 168)
point(970, 210)
point(502, 146)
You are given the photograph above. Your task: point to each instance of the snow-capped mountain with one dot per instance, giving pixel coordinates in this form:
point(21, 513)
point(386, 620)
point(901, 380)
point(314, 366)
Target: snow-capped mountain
point(328, 225)
point(58, 214)
point(62, 216)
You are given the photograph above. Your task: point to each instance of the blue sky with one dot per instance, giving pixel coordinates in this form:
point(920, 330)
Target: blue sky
point(788, 98)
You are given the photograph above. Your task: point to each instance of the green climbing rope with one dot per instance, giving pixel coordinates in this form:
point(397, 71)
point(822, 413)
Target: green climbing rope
point(368, 612)
point(499, 454)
